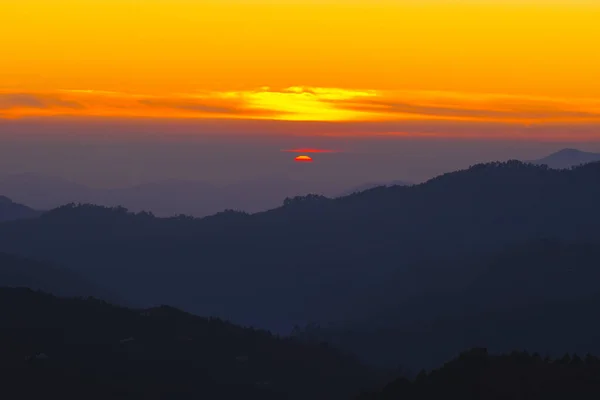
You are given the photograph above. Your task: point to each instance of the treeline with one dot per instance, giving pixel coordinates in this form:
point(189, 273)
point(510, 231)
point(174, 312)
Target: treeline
point(477, 375)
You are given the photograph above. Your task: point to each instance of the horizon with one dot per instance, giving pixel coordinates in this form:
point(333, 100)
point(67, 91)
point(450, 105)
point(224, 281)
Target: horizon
point(171, 196)
point(100, 162)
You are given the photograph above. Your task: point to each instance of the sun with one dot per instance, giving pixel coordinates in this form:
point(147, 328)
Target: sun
point(303, 159)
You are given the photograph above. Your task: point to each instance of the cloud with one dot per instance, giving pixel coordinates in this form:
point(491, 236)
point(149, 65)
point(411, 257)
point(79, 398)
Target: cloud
point(190, 106)
point(297, 103)
point(325, 133)
point(474, 107)
point(307, 104)
point(10, 101)
point(232, 109)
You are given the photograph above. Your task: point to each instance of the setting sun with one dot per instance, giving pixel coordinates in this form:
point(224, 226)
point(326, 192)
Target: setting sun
point(303, 159)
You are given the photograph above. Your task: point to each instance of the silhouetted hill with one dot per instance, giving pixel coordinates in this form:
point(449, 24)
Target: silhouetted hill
point(568, 158)
point(20, 272)
point(10, 210)
point(475, 375)
point(65, 348)
point(317, 259)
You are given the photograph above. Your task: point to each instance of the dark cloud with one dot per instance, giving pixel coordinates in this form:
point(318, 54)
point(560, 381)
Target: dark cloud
point(27, 100)
point(513, 110)
point(8, 101)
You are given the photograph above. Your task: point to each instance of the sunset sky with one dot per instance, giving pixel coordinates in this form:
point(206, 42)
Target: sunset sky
point(343, 61)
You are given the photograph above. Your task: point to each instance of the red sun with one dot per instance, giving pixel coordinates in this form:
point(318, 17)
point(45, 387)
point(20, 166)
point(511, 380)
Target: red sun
point(303, 159)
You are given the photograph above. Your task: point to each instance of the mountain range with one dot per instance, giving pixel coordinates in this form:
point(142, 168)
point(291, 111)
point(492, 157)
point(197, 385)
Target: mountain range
point(320, 258)
point(465, 246)
point(174, 197)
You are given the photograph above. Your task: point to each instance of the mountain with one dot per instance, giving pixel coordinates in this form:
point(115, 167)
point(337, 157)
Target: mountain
point(86, 348)
point(568, 158)
point(316, 259)
point(17, 271)
point(10, 210)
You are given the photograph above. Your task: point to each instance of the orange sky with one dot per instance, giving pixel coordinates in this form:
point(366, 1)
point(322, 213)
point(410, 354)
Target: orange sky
point(505, 61)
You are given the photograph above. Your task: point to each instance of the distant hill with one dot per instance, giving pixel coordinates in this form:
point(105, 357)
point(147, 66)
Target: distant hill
point(164, 198)
point(10, 210)
point(75, 348)
point(568, 158)
point(171, 197)
point(43, 192)
point(17, 271)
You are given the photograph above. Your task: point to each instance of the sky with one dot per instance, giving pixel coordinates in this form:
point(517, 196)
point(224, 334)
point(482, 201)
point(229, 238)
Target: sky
point(281, 70)
point(494, 60)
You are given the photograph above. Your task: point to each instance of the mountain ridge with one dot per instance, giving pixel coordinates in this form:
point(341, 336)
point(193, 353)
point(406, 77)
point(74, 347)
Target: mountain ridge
point(567, 158)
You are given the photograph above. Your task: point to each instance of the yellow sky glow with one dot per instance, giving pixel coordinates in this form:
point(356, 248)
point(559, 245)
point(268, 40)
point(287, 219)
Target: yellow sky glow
point(345, 60)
